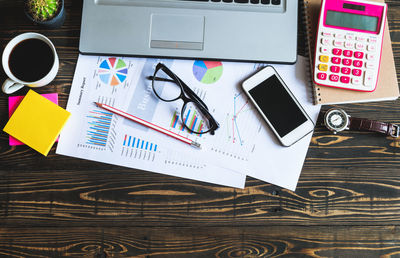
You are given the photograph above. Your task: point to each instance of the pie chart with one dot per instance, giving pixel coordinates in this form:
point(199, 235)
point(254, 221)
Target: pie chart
point(207, 72)
point(112, 71)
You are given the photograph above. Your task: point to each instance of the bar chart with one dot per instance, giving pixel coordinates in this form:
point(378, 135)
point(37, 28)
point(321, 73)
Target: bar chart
point(99, 123)
point(190, 119)
point(138, 148)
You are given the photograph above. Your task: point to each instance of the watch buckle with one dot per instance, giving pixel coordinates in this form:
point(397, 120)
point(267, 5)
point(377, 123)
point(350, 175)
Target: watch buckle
point(395, 132)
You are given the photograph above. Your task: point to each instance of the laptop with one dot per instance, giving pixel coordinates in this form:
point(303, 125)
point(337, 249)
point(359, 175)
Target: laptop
point(240, 30)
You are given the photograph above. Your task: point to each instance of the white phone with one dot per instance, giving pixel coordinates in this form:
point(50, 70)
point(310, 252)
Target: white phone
point(278, 106)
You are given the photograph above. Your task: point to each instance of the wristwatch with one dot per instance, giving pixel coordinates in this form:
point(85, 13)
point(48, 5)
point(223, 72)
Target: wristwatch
point(337, 120)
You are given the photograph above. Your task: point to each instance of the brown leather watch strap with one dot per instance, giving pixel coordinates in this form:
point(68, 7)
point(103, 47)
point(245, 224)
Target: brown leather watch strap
point(373, 126)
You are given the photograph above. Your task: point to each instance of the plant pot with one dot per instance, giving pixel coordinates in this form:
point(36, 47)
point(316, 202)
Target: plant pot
point(56, 22)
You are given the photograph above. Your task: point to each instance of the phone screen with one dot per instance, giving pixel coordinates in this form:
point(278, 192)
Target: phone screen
point(278, 105)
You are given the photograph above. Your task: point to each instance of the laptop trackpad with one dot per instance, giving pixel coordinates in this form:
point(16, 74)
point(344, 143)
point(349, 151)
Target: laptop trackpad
point(177, 31)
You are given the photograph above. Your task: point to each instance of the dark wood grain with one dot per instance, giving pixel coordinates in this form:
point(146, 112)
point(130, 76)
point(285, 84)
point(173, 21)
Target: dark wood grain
point(259, 241)
point(347, 203)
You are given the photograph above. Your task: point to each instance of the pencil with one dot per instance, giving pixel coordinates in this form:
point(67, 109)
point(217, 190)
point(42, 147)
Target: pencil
point(149, 125)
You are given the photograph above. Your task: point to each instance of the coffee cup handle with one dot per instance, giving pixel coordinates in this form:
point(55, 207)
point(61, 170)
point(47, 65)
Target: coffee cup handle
point(10, 86)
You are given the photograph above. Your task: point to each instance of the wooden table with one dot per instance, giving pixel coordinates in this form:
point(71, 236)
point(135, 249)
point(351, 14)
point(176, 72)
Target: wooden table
point(347, 202)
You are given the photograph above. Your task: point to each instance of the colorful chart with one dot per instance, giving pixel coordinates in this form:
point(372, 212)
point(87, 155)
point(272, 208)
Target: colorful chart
point(134, 142)
point(191, 120)
point(207, 72)
point(136, 148)
point(99, 126)
point(113, 71)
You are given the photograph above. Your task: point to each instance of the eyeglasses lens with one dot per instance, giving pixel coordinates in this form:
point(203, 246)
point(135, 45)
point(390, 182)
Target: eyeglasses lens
point(194, 119)
point(165, 87)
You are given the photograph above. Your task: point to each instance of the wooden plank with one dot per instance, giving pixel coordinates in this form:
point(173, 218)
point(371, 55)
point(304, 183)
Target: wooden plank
point(259, 241)
point(118, 196)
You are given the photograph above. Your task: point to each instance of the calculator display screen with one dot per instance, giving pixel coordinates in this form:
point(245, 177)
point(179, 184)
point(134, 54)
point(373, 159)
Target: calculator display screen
point(353, 21)
point(278, 106)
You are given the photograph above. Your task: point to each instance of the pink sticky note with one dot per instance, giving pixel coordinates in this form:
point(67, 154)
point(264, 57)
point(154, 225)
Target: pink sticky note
point(13, 103)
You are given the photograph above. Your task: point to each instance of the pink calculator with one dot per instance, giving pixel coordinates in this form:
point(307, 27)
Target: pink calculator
point(349, 44)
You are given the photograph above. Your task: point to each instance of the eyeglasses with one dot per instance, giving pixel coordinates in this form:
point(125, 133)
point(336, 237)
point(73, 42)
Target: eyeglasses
point(167, 86)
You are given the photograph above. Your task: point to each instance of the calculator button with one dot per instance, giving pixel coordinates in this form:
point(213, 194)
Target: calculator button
point(369, 65)
point(349, 44)
point(371, 48)
point(335, 69)
point(373, 40)
point(338, 43)
point(323, 67)
point(324, 50)
point(368, 78)
point(358, 54)
point(345, 70)
point(339, 36)
point(371, 57)
point(346, 61)
point(324, 59)
point(336, 60)
point(350, 36)
point(334, 77)
point(356, 81)
point(345, 79)
point(348, 53)
point(356, 72)
point(326, 34)
point(321, 76)
point(337, 51)
point(360, 46)
point(360, 38)
point(357, 63)
point(326, 42)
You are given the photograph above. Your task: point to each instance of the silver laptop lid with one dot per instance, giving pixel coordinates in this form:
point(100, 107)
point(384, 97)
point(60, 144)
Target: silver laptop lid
point(256, 30)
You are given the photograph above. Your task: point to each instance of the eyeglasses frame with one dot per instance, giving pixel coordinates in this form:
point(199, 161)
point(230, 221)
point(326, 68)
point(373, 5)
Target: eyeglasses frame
point(187, 95)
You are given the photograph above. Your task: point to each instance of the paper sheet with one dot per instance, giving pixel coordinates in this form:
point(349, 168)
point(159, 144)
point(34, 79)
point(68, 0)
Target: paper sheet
point(95, 134)
point(271, 161)
point(243, 143)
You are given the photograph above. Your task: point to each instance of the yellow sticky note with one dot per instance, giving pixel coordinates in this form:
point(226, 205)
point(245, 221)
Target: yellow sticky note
point(37, 122)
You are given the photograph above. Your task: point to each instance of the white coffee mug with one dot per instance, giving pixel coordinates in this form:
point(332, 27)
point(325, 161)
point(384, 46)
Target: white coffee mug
point(13, 84)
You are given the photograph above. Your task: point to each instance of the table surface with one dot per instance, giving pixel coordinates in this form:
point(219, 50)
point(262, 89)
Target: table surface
point(347, 202)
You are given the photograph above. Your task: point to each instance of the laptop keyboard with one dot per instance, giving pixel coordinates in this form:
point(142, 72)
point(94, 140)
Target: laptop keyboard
point(234, 5)
point(273, 2)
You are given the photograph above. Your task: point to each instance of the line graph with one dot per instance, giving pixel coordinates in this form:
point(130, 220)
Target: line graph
point(240, 107)
point(238, 129)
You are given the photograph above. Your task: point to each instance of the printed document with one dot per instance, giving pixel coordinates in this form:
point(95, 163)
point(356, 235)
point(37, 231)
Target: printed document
point(93, 133)
point(236, 149)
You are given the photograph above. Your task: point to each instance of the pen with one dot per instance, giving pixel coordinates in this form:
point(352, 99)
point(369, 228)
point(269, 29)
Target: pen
point(149, 125)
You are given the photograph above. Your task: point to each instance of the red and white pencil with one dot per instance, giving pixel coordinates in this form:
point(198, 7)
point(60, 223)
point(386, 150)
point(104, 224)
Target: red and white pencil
point(149, 125)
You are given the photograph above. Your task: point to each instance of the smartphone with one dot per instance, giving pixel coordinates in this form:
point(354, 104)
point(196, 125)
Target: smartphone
point(278, 106)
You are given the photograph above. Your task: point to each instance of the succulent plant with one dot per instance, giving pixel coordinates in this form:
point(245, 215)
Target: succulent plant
point(42, 10)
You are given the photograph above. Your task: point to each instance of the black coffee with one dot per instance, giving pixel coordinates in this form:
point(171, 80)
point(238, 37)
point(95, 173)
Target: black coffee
point(31, 60)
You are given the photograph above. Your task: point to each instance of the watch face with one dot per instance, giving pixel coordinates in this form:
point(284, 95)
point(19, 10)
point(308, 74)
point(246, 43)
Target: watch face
point(336, 120)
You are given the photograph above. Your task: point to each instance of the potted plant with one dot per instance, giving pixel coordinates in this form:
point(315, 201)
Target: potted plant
point(46, 13)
